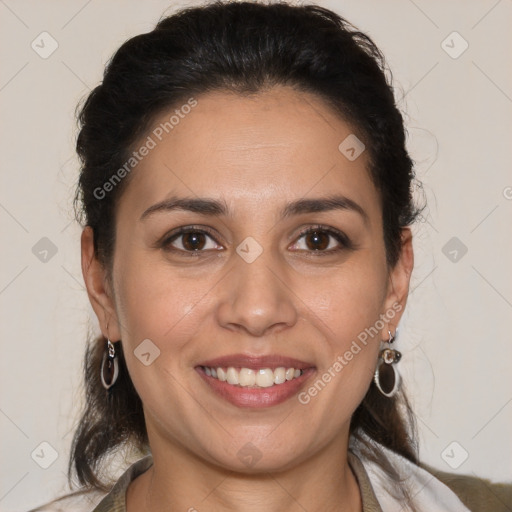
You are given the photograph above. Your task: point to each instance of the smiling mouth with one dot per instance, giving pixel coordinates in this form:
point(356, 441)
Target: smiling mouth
point(253, 378)
point(255, 388)
point(255, 381)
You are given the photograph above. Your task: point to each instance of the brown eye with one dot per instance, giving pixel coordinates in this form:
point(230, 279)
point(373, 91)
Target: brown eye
point(193, 241)
point(190, 240)
point(317, 240)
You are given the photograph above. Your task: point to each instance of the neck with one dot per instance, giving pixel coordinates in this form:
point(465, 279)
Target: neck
point(178, 480)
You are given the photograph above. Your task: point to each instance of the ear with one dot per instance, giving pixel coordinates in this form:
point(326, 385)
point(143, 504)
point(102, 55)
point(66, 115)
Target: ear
point(98, 290)
point(398, 284)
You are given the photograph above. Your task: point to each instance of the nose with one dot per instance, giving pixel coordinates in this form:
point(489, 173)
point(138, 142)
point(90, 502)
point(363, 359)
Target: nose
point(256, 298)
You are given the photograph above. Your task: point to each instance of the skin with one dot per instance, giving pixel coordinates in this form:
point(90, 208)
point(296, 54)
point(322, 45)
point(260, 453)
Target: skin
point(257, 154)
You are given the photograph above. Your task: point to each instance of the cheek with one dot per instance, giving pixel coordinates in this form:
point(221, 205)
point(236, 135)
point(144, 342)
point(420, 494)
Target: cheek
point(163, 305)
point(156, 305)
point(348, 315)
point(154, 300)
point(349, 306)
point(350, 299)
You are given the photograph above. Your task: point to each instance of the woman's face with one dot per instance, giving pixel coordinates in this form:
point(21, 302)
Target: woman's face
point(247, 282)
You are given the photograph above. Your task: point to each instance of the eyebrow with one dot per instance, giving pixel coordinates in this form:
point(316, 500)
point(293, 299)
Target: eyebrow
point(214, 207)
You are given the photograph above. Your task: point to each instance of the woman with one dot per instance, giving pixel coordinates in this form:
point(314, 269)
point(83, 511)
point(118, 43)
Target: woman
point(246, 197)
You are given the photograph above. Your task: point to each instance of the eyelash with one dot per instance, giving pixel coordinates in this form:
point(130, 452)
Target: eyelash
point(339, 236)
point(343, 240)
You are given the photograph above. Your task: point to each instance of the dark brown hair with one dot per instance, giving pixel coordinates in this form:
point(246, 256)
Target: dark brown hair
point(242, 47)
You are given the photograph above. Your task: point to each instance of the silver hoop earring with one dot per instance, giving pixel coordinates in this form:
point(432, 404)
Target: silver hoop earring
point(387, 378)
point(109, 366)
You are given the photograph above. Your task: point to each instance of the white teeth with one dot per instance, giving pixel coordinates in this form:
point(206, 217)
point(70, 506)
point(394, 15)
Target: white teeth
point(279, 375)
point(247, 377)
point(265, 378)
point(232, 376)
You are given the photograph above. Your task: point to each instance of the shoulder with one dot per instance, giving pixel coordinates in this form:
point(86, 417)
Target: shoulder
point(77, 501)
point(476, 493)
point(426, 488)
point(96, 500)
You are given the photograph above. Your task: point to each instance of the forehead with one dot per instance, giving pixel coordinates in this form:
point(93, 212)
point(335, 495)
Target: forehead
point(274, 146)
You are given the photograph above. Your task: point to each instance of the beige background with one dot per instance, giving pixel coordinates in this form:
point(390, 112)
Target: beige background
point(456, 333)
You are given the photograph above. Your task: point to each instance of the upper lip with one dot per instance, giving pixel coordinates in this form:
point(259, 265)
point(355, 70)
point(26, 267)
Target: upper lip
point(253, 362)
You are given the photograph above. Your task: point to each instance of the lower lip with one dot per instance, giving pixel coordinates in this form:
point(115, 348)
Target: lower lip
point(256, 397)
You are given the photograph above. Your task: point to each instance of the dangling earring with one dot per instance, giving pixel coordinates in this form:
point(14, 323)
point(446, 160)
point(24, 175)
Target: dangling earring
point(386, 376)
point(109, 366)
